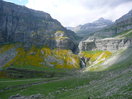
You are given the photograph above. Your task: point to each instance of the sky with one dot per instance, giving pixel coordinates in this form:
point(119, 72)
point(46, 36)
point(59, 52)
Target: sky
point(77, 12)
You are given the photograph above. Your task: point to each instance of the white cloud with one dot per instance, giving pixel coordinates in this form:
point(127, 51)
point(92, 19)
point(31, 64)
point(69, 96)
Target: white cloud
point(75, 12)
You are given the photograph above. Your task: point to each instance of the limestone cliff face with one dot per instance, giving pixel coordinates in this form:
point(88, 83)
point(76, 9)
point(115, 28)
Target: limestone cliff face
point(21, 24)
point(110, 44)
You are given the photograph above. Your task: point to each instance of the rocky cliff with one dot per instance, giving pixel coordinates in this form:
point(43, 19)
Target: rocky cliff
point(21, 24)
point(109, 44)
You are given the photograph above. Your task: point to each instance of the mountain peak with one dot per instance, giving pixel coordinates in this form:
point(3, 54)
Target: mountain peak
point(101, 18)
point(103, 21)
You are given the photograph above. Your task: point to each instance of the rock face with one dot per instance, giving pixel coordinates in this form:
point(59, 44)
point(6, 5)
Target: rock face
point(63, 41)
point(21, 24)
point(105, 44)
point(87, 29)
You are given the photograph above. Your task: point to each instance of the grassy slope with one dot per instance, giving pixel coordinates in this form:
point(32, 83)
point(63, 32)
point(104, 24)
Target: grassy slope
point(125, 34)
point(114, 83)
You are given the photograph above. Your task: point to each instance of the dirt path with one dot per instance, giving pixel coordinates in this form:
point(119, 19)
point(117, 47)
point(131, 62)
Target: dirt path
point(21, 80)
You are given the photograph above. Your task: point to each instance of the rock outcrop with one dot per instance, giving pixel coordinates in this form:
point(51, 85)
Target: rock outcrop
point(110, 44)
point(63, 41)
point(21, 24)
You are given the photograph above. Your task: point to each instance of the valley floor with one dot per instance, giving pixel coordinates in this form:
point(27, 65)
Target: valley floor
point(113, 83)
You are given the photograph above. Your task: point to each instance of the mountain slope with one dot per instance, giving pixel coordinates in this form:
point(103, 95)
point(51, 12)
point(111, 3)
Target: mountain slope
point(122, 24)
point(21, 24)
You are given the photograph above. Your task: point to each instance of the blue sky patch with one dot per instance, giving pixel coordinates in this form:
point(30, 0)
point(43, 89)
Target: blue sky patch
point(19, 2)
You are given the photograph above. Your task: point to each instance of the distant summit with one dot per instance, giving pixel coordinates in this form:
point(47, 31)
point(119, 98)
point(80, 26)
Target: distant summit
point(101, 21)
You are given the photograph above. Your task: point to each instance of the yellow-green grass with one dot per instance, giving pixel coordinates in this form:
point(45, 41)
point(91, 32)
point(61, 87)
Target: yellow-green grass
point(125, 34)
point(6, 47)
point(35, 56)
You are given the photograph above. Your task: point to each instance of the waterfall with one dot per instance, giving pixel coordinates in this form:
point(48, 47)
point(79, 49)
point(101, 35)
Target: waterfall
point(82, 62)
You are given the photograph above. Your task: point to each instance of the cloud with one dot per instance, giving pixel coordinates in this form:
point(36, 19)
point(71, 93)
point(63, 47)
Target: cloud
point(100, 3)
point(75, 12)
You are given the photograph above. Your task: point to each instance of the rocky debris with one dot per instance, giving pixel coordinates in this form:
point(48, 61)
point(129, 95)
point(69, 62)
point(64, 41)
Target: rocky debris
point(18, 96)
point(110, 44)
point(21, 24)
point(49, 96)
